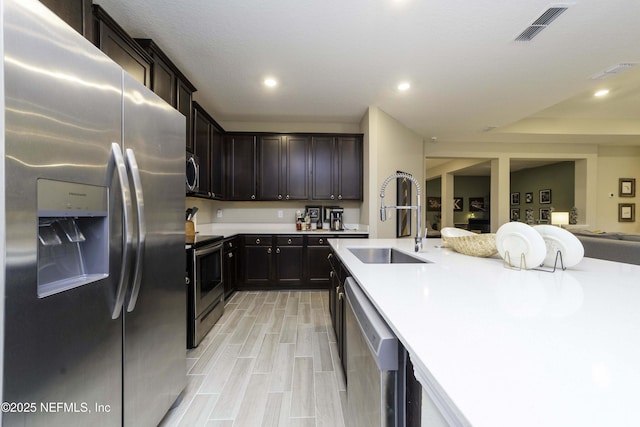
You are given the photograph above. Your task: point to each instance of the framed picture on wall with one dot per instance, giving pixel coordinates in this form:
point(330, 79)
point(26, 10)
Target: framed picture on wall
point(515, 198)
point(434, 204)
point(528, 197)
point(515, 214)
point(626, 212)
point(476, 204)
point(458, 204)
point(627, 187)
point(545, 215)
point(403, 198)
point(545, 197)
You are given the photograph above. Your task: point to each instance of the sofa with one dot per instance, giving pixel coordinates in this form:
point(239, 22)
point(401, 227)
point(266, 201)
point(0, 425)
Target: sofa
point(620, 247)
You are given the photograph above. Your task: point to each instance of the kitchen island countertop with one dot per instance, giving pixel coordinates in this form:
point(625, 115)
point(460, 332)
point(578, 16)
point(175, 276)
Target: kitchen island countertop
point(497, 347)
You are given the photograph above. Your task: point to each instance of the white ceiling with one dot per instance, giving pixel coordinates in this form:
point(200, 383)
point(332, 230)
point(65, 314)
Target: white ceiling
point(335, 58)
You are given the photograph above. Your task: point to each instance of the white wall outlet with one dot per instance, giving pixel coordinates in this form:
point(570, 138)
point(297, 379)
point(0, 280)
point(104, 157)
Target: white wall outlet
point(280, 214)
point(219, 213)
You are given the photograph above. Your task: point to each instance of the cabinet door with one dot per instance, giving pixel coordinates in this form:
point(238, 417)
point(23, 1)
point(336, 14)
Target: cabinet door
point(231, 266)
point(323, 168)
point(217, 161)
point(258, 260)
point(295, 175)
point(202, 146)
point(76, 13)
point(117, 45)
point(240, 171)
point(184, 105)
point(163, 80)
point(318, 266)
point(349, 177)
point(289, 260)
point(270, 163)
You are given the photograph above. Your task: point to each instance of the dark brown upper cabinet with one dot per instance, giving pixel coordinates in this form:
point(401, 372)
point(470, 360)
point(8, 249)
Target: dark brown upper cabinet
point(76, 13)
point(119, 46)
point(208, 148)
point(240, 166)
point(336, 168)
point(168, 82)
point(283, 167)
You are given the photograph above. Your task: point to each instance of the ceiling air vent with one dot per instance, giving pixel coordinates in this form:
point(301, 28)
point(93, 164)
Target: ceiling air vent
point(612, 71)
point(540, 23)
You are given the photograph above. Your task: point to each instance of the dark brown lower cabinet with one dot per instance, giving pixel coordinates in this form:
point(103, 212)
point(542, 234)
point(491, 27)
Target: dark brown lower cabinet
point(318, 266)
point(230, 265)
point(338, 275)
point(286, 262)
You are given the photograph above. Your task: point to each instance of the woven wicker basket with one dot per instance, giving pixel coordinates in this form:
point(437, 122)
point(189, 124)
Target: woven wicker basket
point(480, 245)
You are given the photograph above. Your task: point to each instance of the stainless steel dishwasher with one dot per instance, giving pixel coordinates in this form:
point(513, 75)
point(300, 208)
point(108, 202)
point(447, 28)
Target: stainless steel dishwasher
point(376, 363)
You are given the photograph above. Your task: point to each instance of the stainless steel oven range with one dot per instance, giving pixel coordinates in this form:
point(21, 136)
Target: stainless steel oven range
point(206, 290)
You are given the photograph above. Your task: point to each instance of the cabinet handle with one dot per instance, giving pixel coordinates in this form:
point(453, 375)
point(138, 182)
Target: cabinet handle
point(289, 241)
point(277, 250)
point(230, 244)
point(230, 255)
point(187, 281)
point(321, 241)
point(269, 250)
point(257, 241)
point(279, 196)
point(340, 296)
point(331, 274)
point(253, 197)
point(332, 197)
point(213, 194)
point(340, 197)
point(287, 197)
point(329, 256)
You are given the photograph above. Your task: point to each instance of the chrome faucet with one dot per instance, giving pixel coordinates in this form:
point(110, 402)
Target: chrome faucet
point(383, 208)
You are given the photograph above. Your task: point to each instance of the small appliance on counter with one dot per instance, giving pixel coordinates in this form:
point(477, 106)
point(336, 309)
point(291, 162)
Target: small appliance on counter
point(336, 218)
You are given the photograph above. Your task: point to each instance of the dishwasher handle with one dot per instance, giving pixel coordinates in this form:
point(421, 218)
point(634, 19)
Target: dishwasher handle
point(379, 337)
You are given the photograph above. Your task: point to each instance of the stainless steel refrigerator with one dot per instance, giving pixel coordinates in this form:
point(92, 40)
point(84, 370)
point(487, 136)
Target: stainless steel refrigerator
point(94, 292)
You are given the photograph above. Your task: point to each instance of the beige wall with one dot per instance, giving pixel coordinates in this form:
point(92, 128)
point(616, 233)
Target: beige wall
point(391, 147)
point(615, 163)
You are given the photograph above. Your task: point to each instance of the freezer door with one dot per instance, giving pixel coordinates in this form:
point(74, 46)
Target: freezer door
point(63, 351)
point(155, 318)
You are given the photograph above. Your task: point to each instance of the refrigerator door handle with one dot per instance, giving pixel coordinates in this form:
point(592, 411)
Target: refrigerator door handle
point(142, 230)
point(120, 167)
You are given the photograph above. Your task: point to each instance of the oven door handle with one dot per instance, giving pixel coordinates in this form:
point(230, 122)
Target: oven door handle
point(208, 249)
point(142, 229)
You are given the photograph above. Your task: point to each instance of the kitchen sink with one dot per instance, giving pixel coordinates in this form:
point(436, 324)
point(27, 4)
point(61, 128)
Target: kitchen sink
point(385, 256)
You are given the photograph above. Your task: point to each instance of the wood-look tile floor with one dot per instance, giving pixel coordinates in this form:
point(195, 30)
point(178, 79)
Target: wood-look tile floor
point(271, 360)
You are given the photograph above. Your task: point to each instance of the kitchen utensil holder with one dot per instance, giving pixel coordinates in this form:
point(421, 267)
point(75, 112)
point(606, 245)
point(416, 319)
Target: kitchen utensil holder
point(189, 228)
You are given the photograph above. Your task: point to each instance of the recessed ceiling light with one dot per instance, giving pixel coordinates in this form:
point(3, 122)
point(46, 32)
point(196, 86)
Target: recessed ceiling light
point(404, 86)
point(270, 82)
point(602, 92)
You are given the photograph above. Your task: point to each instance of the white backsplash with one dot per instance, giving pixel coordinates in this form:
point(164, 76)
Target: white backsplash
point(261, 212)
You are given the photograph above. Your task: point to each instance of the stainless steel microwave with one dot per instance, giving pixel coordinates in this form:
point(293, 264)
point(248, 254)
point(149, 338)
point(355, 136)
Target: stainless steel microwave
point(192, 173)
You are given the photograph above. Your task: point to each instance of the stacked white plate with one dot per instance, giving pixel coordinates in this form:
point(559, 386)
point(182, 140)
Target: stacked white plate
point(538, 245)
point(558, 239)
point(520, 245)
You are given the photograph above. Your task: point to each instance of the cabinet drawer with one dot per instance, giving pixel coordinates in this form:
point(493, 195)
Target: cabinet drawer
point(319, 240)
point(231, 244)
point(258, 240)
point(289, 240)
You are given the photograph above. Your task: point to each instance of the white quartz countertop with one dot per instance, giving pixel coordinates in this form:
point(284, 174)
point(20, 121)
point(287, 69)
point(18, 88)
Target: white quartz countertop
point(498, 347)
point(231, 229)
